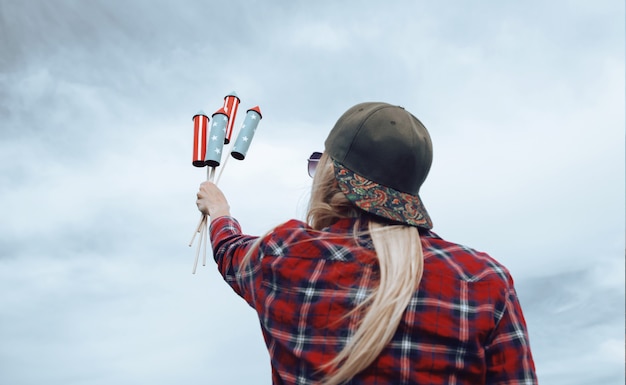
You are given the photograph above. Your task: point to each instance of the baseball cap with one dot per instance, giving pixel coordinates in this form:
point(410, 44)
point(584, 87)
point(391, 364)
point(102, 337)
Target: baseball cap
point(382, 155)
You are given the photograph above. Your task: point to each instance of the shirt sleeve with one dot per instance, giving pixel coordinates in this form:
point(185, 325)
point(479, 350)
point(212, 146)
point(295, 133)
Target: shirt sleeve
point(230, 248)
point(508, 356)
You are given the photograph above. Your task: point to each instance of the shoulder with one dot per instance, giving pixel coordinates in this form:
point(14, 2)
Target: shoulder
point(280, 239)
point(289, 231)
point(297, 239)
point(464, 262)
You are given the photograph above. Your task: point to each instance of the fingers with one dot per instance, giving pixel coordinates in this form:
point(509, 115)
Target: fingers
point(203, 196)
point(202, 205)
point(208, 187)
point(205, 189)
point(210, 199)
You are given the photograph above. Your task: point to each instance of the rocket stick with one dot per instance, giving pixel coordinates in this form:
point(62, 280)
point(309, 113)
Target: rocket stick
point(197, 229)
point(206, 239)
point(195, 262)
point(219, 176)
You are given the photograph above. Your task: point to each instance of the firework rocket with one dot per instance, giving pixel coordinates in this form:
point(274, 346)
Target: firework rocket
point(200, 123)
point(231, 103)
point(242, 144)
point(215, 141)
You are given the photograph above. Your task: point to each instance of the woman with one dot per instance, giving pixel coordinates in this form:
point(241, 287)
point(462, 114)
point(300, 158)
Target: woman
point(365, 292)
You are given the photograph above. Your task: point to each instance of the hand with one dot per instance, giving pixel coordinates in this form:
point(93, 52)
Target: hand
point(211, 201)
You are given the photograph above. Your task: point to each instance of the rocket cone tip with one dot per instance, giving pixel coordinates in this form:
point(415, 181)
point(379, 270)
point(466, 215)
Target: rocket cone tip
point(257, 110)
point(220, 111)
point(199, 113)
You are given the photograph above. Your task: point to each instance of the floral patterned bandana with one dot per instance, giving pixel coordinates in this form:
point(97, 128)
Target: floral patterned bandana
point(381, 200)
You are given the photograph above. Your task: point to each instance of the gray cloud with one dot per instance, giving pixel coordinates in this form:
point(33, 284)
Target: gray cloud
point(524, 102)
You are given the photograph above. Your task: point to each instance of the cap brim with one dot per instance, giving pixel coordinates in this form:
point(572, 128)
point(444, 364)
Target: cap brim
point(381, 200)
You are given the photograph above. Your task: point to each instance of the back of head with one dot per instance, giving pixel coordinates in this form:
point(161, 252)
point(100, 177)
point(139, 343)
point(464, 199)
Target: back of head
point(381, 156)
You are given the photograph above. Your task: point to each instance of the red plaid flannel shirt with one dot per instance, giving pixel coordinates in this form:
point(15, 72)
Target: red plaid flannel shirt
point(464, 326)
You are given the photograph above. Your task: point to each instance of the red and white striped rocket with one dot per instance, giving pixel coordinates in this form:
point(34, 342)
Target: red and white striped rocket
point(200, 124)
point(231, 103)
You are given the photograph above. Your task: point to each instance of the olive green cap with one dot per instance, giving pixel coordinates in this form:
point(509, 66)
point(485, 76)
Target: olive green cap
point(382, 155)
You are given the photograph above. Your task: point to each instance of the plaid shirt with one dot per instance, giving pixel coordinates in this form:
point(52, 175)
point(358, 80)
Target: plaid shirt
point(464, 326)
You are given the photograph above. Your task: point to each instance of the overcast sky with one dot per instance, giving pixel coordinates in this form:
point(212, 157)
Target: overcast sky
point(524, 102)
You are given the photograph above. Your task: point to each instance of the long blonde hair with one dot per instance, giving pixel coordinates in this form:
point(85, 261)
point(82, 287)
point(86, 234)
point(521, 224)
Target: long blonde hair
point(401, 263)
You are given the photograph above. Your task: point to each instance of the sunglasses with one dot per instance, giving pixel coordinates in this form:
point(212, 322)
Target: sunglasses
point(314, 160)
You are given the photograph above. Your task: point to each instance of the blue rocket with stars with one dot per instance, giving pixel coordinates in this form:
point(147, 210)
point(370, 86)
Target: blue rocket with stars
point(246, 133)
point(215, 140)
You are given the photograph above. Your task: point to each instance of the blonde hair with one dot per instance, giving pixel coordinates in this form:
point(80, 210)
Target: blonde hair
point(401, 263)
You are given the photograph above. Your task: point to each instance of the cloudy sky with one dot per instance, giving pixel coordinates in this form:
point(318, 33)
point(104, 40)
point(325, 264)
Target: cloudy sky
point(524, 102)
